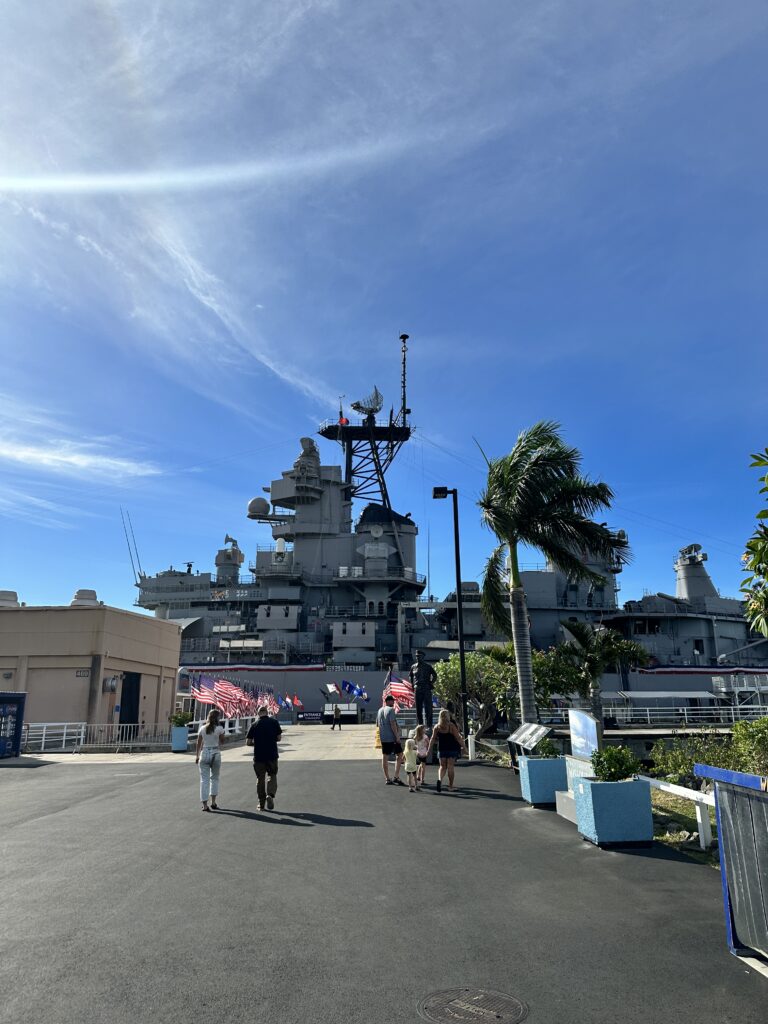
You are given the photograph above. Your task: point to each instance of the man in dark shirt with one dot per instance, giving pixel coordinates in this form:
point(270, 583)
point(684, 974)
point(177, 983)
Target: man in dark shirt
point(423, 678)
point(263, 736)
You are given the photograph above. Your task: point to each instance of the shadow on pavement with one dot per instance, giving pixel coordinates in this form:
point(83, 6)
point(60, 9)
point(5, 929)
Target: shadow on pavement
point(261, 816)
point(303, 819)
point(321, 819)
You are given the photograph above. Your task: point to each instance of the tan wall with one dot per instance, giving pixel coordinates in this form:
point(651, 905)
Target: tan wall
point(49, 653)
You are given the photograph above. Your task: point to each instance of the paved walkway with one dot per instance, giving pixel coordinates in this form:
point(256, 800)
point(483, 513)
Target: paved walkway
point(347, 904)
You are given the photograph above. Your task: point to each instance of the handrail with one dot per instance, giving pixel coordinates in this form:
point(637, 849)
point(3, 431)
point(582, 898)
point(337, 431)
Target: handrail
point(703, 801)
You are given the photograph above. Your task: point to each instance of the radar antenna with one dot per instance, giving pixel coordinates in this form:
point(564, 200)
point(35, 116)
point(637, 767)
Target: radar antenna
point(371, 405)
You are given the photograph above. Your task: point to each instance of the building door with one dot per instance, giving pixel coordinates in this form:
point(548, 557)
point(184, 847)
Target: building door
point(129, 698)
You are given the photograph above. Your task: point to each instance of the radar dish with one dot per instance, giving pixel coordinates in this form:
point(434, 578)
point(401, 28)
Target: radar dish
point(371, 405)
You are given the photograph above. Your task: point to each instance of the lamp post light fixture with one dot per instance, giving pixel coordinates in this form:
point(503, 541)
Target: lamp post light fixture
point(437, 493)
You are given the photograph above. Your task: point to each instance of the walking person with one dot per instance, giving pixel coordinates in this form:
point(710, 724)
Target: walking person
point(210, 737)
point(336, 717)
point(423, 676)
point(411, 763)
point(450, 744)
point(264, 736)
point(420, 738)
point(389, 734)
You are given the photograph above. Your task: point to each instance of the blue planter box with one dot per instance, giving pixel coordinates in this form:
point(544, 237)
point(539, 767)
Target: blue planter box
point(540, 778)
point(179, 739)
point(614, 813)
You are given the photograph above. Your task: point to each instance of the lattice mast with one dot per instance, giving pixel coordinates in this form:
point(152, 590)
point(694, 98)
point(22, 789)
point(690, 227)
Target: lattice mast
point(370, 447)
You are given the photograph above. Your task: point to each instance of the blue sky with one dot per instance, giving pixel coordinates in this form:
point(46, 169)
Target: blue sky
point(215, 219)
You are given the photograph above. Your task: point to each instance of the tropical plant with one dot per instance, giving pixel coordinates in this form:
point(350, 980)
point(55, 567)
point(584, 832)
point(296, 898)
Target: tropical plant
point(487, 685)
point(596, 650)
point(554, 672)
point(755, 585)
point(612, 764)
point(536, 496)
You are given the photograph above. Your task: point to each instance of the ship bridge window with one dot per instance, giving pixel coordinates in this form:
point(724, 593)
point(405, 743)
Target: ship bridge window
point(370, 607)
point(641, 627)
point(698, 646)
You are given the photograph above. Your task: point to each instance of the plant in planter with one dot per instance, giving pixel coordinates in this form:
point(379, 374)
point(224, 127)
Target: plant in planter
point(614, 764)
point(179, 731)
point(542, 775)
point(609, 810)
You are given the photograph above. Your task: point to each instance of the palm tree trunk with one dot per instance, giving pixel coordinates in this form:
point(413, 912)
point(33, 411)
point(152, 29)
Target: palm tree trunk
point(521, 637)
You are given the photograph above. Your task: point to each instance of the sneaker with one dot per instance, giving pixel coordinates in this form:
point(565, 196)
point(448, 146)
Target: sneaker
point(438, 785)
point(398, 782)
point(270, 803)
point(261, 807)
point(388, 782)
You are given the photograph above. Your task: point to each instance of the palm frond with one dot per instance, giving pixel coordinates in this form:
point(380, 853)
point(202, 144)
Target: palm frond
point(494, 598)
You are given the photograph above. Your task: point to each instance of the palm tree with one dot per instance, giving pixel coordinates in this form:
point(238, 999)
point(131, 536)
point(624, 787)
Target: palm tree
point(537, 496)
point(596, 650)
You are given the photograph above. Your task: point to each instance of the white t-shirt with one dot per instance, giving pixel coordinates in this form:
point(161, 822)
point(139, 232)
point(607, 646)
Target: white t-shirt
point(211, 739)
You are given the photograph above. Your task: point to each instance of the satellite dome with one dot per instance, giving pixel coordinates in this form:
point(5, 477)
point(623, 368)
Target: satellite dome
point(258, 507)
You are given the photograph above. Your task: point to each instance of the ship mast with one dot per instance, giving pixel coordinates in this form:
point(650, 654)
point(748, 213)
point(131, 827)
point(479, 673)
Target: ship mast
point(370, 446)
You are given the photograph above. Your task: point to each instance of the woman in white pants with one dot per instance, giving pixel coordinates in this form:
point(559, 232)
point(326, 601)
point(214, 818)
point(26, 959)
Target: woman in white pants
point(208, 756)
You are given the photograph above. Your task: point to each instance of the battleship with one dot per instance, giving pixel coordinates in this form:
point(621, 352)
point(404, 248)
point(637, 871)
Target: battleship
point(336, 593)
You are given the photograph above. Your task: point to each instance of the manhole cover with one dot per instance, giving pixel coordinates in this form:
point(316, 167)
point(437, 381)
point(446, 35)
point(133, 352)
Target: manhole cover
point(475, 1004)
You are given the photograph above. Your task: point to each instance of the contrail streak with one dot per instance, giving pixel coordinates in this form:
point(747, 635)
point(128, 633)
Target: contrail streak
point(210, 176)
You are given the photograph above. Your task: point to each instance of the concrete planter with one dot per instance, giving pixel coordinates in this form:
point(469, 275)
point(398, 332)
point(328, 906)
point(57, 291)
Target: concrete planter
point(540, 778)
point(614, 813)
point(179, 739)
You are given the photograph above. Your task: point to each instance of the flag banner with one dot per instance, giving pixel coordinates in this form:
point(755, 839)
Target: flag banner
point(297, 703)
point(288, 701)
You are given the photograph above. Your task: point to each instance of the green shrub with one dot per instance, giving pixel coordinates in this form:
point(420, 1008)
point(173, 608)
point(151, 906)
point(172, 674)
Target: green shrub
point(612, 764)
point(750, 746)
point(179, 718)
point(676, 761)
point(547, 749)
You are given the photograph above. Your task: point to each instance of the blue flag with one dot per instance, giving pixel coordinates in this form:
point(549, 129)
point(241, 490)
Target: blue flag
point(280, 701)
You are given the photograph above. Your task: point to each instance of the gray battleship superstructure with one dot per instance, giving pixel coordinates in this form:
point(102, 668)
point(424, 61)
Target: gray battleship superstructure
point(338, 593)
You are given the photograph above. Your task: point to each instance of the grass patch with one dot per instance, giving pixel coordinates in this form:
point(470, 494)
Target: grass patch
point(670, 812)
point(490, 752)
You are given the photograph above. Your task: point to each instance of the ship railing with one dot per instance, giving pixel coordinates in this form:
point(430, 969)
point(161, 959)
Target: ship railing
point(639, 715)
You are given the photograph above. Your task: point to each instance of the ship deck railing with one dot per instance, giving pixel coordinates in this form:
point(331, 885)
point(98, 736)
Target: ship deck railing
point(640, 716)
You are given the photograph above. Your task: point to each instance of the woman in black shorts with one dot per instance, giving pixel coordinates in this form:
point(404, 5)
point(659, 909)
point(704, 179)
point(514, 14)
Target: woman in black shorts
point(450, 744)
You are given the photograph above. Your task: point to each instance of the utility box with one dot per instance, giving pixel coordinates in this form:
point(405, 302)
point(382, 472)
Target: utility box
point(11, 722)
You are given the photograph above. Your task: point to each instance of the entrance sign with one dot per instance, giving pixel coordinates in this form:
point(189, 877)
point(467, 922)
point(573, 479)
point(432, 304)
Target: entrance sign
point(585, 738)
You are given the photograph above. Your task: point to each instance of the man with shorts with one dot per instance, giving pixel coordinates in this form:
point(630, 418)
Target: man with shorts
point(263, 737)
point(389, 734)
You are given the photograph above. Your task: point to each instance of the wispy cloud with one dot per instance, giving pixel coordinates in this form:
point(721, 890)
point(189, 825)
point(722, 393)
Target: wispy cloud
point(35, 440)
point(16, 504)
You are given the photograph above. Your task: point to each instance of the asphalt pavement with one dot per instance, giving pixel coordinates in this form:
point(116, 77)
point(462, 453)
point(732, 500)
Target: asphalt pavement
point(349, 903)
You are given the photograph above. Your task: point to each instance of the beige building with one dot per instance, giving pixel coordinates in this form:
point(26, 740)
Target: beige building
point(88, 662)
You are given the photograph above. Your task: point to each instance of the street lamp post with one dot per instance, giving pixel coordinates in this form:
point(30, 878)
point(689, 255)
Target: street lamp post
point(443, 492)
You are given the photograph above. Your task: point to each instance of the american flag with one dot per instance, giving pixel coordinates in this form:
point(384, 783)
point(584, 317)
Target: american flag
point(400, 689)
point(204, 692)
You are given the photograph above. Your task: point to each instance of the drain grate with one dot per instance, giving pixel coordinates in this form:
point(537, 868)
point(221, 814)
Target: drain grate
point(472, 1004)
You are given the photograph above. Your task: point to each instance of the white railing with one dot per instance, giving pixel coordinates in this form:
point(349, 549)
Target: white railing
point(703, 802)
point(38, 737)
point(639, 716)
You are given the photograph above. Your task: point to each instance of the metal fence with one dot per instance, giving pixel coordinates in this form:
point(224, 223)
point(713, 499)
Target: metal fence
point(39, 737)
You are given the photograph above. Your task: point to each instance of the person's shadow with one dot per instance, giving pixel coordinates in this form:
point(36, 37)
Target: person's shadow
point(303, 819)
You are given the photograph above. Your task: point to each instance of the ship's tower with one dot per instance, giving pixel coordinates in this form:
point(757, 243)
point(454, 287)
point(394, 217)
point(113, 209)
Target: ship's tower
point(693, 580)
